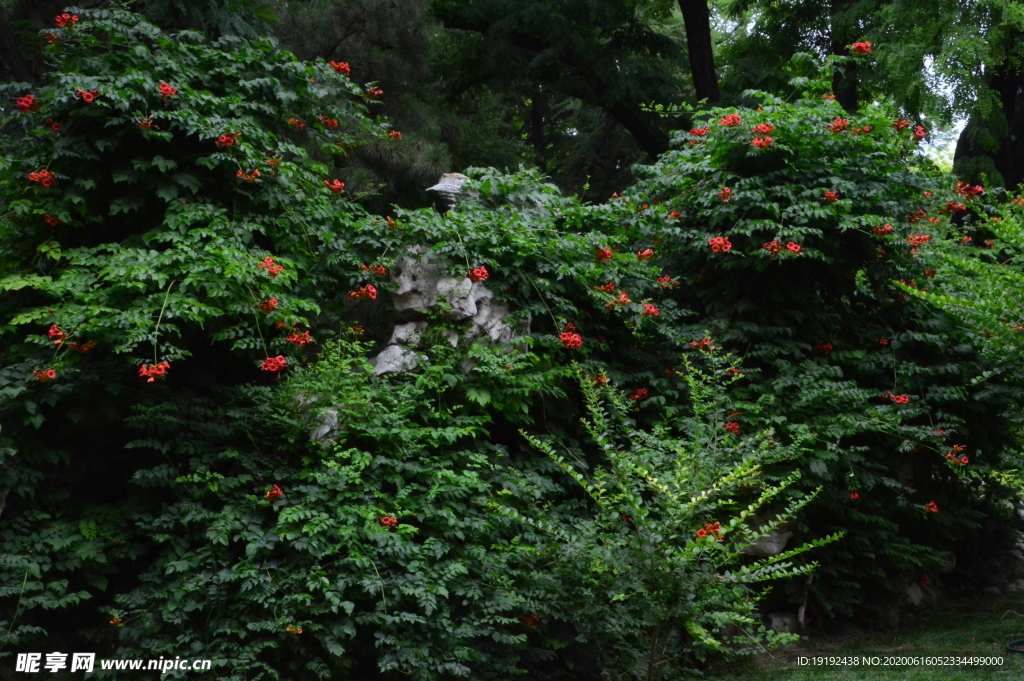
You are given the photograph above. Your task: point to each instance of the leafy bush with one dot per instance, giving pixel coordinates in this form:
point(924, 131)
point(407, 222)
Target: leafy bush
point(145, 184)
point(143, 511)
point(978, 278)
point(370, 553)
point(650, 568)
point(175, 169)
point(978, 281)
point(789, 251)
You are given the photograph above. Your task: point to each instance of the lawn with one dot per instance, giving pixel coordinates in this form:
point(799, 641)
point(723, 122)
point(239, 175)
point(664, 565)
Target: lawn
point(981, 627)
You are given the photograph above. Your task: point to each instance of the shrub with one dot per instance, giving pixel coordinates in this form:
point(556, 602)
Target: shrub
point(187, 186)
point(215, 528)
point(977, 278)
point(155, 199)
point(649, 567)
point(820, 225)
point(377, 547)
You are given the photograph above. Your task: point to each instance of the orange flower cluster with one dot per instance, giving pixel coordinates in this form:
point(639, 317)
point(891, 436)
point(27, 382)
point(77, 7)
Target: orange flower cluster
point(368, 291)
point(271, 268)
point(249, 177)
point(710, 530)
point(44, 376)
point(154, 371)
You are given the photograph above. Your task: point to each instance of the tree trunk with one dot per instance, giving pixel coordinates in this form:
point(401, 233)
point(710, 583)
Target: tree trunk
point(539, 115)
point(844, 82)
point(996, 144)
point(697, 20)
point(1009, 83)
point(657, 655)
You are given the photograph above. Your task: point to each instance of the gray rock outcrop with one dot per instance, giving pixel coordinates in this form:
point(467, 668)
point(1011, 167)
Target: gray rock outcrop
point(421, 287)
point(447, 190)
point(771, 544)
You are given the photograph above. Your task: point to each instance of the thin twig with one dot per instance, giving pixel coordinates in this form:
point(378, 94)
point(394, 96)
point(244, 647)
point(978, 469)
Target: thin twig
point(17, 608)
point(156, 331)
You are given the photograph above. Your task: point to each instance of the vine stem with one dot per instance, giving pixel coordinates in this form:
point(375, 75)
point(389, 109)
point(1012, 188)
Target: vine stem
point(544, 300)
point(383, 597)
point(17, 608)
point(160, 317)
point(465, 253)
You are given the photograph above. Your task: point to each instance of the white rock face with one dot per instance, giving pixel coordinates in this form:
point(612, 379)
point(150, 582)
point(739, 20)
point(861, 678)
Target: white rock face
point(408, 334)
point(417, 280)
point(489, 320)
point(461, 294)
point(399, 354)
point(395, 359)
point(328, 427)
point(422, 288)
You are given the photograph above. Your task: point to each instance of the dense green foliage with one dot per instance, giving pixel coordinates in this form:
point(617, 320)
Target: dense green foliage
point(199, 459)
point(824, 332)
point(162, 245)
point(981, 279)
point(674, 595)
point(978, 279)
point(562, 86)
point(311, 583)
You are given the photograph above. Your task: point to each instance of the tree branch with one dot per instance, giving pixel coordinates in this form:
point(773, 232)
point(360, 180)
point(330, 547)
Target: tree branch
point(697, 21)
